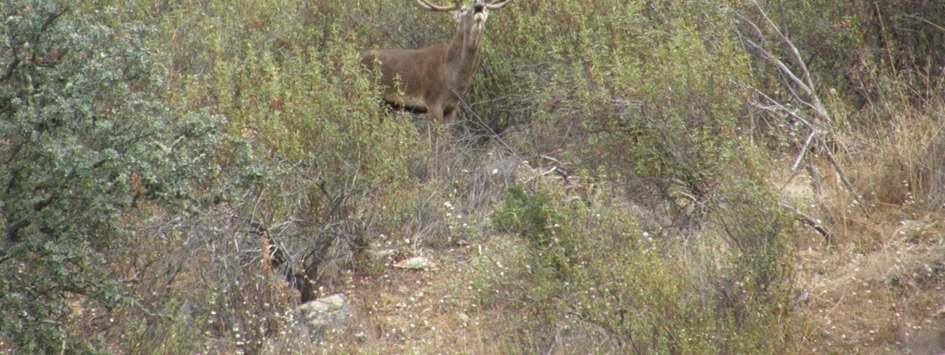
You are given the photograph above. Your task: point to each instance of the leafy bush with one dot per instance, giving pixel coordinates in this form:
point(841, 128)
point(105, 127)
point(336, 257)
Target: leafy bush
point(535, 219)
point(84, 140)
point(591, 273)
point(286, 75)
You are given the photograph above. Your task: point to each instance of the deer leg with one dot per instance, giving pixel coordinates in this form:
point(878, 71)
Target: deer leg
point(435, 115)
point(449, 113)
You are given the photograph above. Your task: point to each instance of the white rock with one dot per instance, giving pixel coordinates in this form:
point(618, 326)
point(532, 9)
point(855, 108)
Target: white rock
point(416, 263)
point(380, 254)
point(327, 313)
point(463, 318)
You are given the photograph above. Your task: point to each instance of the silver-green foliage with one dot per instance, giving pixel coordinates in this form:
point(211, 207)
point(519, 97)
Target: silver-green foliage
point(83, 140)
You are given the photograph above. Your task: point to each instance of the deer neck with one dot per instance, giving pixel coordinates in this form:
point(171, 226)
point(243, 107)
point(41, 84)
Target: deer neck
point(462, 59)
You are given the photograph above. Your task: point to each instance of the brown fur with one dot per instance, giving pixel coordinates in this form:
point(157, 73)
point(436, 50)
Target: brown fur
point(430, 79)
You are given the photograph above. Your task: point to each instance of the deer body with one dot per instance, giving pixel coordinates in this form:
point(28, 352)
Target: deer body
point(429, 80)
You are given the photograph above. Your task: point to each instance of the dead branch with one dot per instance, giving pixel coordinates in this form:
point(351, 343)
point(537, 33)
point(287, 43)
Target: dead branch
point(809, 221)
point(558, 169)
point(800, 156)
point(799, 83)
point(808, 84)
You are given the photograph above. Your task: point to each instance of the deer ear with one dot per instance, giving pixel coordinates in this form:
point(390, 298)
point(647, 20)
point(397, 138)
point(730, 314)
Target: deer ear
point(458, 14)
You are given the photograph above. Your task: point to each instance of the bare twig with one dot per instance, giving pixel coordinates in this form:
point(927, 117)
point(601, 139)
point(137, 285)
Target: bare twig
point(802, 81)
point(843, 177)
point(809, 221)
point(482, 123)
point(558, 169)
point(553, 169)
point(800, 156)
point(775, 106)
point(811, 89)
point(927, 22)
point(148, 312)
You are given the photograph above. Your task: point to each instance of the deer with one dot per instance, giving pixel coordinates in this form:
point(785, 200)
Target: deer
point(431, 79)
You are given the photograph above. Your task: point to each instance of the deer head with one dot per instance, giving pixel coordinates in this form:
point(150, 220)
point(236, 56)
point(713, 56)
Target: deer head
point(431, 79)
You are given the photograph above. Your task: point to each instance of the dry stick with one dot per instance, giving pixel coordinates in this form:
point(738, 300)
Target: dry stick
point(778, 106)
point(775, 107)
point(561, 172)
point(926, 21)
point(814, 131)
point(800, 156)
point(811, 89)
point(807, 84)
point(553, 169)
point(799, 159)
point(783, 68)
point(843, 178)
point(767, 55)
point(810, 221)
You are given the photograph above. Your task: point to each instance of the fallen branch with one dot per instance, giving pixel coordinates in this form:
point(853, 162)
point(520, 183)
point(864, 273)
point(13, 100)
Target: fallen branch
point(558, 169)
point(810, 222)
point(800, 156)
point(843, 179)
point(553, 169)
point(796, 79)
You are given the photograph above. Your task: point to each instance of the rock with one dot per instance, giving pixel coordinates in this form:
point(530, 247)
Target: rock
point(416, 263)
point(327, 314)
point(801, 296)
point(381, 254)
point(463, 318)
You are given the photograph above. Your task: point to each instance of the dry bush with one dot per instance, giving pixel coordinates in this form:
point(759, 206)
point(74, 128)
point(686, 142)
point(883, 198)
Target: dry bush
point(886, 299)
point(904, 163)
point(208, 281)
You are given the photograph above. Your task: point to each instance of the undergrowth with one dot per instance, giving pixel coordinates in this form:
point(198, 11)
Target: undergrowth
point(180, 175)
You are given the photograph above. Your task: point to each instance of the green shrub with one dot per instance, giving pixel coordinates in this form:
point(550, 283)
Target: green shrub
point(286, 75)
point(536, 219)
point(84, 140)
point(591, 269)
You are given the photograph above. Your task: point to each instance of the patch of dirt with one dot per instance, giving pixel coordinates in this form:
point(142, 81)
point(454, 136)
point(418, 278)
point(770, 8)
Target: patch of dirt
point(419, 311)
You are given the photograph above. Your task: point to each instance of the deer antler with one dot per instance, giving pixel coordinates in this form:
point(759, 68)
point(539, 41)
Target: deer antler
point(426, 5)
point(498, 5)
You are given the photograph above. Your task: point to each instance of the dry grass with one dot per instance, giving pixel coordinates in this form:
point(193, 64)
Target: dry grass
point(881, 301)
point(879, 287)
